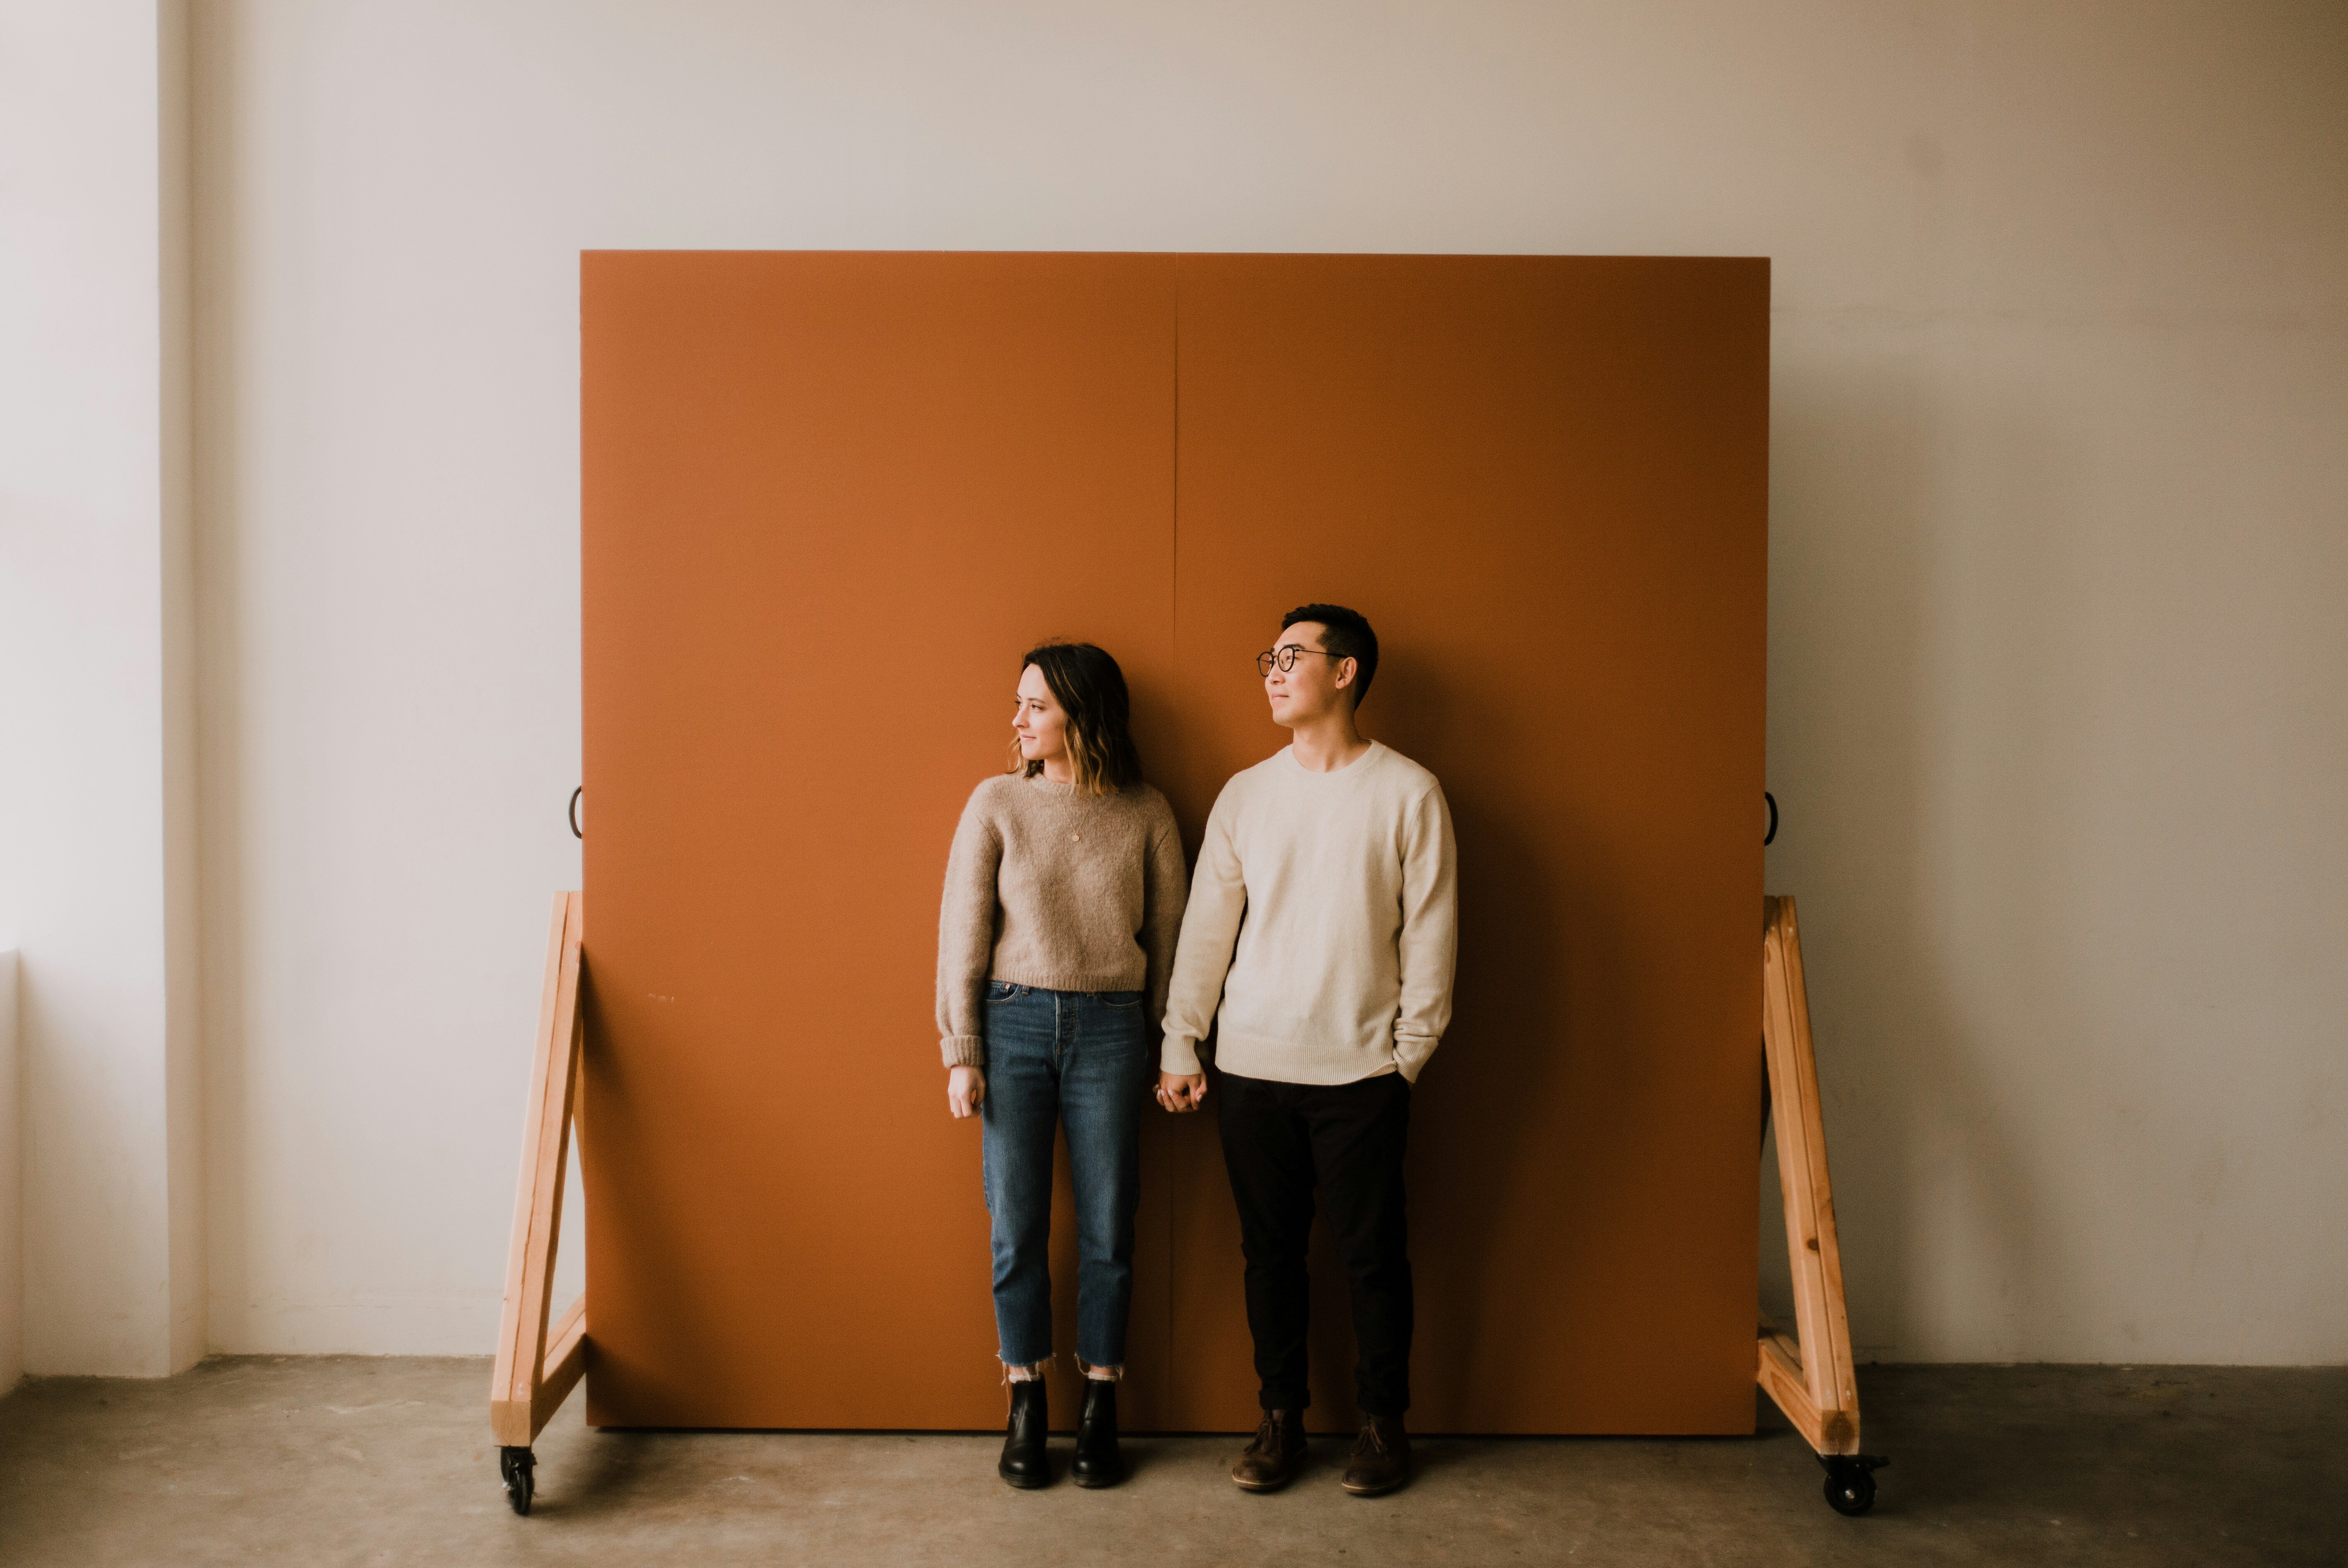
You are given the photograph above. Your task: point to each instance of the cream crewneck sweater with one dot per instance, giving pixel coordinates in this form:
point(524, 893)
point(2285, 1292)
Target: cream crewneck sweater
point(1048, 887)
point(1342, 892)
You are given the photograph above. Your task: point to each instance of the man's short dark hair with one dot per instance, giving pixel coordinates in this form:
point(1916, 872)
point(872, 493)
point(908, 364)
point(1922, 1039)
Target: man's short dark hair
point(1346, 633)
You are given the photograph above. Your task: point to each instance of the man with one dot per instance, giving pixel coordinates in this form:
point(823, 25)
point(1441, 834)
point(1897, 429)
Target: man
point(1331, 866)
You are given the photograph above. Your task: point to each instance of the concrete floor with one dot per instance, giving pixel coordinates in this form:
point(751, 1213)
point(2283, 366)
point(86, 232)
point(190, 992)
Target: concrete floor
point(354, 1461)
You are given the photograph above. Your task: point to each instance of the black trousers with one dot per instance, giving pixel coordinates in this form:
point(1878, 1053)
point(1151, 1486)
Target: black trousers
point(1280, 1140)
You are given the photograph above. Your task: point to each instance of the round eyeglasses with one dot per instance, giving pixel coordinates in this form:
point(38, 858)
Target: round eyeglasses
point(1286, 655)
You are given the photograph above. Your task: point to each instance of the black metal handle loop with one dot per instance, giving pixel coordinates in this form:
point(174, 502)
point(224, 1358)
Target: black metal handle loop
point(573, 812)
point(1772, 834)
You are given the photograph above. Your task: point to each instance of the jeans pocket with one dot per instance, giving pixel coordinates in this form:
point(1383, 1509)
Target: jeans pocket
point(996, 991)
point(1120, 999)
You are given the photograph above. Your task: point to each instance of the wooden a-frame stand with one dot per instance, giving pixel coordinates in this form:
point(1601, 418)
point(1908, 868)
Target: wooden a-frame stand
point(1807, 1372)
point(538, 1364)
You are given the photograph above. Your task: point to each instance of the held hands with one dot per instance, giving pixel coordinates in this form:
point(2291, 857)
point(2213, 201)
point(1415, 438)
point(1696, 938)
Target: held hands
point(1181, 1092)
point(1177, 1093)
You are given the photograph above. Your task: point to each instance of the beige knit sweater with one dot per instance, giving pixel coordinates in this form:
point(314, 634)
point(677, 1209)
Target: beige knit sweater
point(1048, 887)
point(1323, 927)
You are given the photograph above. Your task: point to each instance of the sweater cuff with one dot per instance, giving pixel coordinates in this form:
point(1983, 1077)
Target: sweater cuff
point(1410, 1056)
point(963, 1050)
point(1180, 1056)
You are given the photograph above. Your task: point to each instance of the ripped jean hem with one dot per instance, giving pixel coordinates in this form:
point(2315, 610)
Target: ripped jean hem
point(1022, 1372)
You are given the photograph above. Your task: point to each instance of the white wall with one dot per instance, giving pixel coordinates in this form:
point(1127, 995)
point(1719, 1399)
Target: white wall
point(97, 767)
point(2060, 467)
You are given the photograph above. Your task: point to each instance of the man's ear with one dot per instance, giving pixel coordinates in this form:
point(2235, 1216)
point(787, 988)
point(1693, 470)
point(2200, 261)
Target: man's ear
point(1346, 670)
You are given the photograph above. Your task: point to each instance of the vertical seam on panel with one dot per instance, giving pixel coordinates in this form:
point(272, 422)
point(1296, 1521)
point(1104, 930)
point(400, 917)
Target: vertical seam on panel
point(1166, 1387)
point(1174, 531)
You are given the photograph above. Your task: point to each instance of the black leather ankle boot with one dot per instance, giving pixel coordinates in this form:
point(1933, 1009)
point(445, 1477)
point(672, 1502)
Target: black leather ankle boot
point(1098, 1463)
point(1026, 1462)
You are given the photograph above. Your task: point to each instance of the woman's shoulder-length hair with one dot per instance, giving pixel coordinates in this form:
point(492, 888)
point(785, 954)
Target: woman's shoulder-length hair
point(1090, 689)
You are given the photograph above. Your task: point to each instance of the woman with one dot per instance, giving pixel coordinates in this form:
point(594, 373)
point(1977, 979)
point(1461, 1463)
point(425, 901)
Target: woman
point(1063, 896)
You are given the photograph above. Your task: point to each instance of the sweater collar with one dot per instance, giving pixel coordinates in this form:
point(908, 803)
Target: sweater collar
point(1353, 769)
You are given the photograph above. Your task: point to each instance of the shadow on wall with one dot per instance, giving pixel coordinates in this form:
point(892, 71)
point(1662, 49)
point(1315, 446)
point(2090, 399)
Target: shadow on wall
point(1937, 1211)
point(1509, 978)
point(222, 379)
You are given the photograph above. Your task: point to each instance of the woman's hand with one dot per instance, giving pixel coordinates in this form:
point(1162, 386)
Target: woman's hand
point(965, 1087)
point(1180, 1091)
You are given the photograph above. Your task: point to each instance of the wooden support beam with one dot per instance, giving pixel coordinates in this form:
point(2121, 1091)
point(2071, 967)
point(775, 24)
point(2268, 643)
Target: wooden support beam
point(1781, 1377)
point(1809, 1374)
point(538, 1363)
point(566, 1363)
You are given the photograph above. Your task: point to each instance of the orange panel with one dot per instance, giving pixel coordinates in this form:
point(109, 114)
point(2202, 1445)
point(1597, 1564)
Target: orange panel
point(828, 500)
point(1544, 481)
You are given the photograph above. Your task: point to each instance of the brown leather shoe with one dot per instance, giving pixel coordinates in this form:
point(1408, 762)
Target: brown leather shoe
point(1381, 1461)
point(1270, 1462)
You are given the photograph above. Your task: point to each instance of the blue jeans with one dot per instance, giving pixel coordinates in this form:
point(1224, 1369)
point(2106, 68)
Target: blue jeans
point(1081, 1058)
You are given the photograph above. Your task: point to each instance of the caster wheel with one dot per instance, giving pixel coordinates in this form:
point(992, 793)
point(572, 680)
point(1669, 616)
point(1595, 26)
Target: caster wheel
point(515, 1466)
point(1851, 1481)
